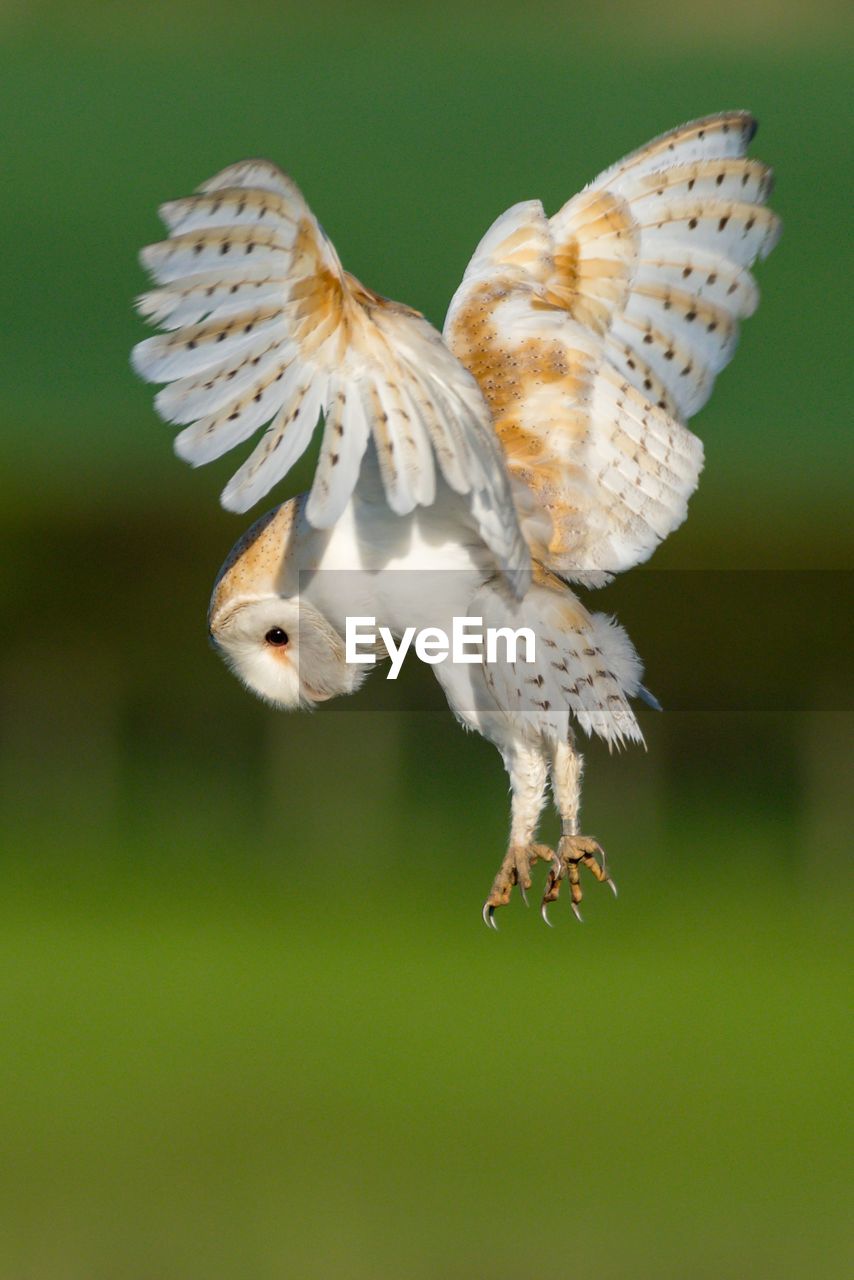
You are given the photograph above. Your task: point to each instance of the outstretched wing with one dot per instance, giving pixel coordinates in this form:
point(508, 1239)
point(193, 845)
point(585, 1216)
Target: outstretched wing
point(598, 333)
point(264, 327)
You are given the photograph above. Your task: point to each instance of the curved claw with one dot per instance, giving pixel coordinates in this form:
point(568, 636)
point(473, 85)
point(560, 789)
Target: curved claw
point(575, 911)
point(597, 853)
point(488, 914)
point(612, 887)
point(524, 892)
point(544, 912)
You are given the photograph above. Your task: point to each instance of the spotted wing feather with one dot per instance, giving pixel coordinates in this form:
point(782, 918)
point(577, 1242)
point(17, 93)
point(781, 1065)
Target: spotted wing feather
point(263, 329)
point(597, 333)
point(696, 204)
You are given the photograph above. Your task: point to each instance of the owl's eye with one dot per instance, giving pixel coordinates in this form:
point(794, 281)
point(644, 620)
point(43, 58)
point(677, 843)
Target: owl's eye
point(277, 637)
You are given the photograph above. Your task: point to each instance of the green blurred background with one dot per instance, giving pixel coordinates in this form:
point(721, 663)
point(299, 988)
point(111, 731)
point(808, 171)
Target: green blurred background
point(251, 1024)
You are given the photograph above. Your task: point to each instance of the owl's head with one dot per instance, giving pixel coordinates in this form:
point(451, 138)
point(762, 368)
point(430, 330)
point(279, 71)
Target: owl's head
point(284, 650)
point(276, 642)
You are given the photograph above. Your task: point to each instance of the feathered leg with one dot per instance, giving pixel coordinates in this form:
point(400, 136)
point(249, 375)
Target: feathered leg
point(528, 770)
point(574, 850)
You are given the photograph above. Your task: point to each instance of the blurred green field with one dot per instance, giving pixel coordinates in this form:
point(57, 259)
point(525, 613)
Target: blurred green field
point(250, 1022)
point(325, 1079)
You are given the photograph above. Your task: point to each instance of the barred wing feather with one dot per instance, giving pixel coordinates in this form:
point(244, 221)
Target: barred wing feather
point(596, 334)
point(262, 327)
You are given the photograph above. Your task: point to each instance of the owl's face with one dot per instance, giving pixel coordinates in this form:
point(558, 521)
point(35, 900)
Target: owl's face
point(284, 651)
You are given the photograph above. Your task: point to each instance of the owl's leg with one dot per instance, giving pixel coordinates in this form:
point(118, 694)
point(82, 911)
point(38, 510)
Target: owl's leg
point(574, 850)
point(528, 770)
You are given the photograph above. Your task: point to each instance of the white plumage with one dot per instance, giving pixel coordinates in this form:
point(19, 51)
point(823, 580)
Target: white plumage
point(265, 327)
point(542, 440)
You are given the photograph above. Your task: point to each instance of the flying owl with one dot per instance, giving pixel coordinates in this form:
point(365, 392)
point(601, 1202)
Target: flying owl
point(539, 442)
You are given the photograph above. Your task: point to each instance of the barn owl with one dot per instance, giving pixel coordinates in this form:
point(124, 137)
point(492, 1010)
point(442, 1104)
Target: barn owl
point(539, 443)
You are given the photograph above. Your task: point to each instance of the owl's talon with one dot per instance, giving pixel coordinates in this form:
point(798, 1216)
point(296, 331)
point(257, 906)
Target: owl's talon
point(544, 912)
point(515, 869)
point(572, 853)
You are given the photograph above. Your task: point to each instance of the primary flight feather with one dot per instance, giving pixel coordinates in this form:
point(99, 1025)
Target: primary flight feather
point(541, 440)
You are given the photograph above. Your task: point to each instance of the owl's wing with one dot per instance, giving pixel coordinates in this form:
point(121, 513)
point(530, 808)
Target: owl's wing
point(598, 333)
point(264, 327)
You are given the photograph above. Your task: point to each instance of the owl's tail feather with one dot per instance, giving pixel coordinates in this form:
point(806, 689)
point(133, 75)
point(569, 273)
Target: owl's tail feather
point(582, 666)
point(649, 698)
